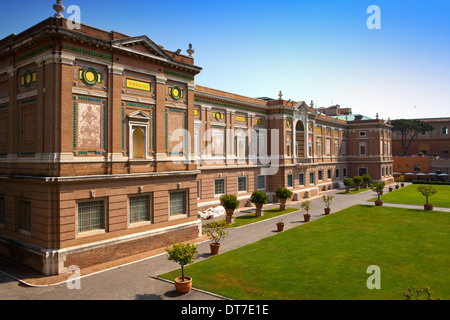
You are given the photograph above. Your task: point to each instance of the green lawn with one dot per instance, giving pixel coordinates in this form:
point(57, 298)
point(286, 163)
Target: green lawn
point(328, 258)
point(268, 214)
point(353, 191)
point(410, 195)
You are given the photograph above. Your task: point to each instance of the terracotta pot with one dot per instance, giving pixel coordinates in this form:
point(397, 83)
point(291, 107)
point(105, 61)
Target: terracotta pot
point(390, 189)
point(183, 286)
point(356, 187)
point(283, 204)
point(379, 203)
point(327, 210)
point(402, 184)
point(381, 192)
point(259, 212)
point(214, 248)
point(428, 207)
point(306, 216)
point(280, 226)
point(396, 186)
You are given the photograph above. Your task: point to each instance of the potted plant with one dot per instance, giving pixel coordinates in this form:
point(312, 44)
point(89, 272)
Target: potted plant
point(347, 183)
point(327, 199)
point(307, 206)
point(378, 188)
point(427, 191)
point(397, 182)
point(283, 194)
point(366, 179)
point(216, 232)
point(230, 203)
point(357, 180)
point(401, 179)
point(280, 225)
point(183, 254)
point(259, 198)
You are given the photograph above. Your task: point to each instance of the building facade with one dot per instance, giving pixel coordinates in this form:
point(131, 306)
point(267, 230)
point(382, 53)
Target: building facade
point(431, 143)
point(108, 148)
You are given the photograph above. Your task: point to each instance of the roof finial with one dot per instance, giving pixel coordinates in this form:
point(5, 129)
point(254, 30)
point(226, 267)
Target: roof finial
point(280, 95)
point(190, 51)
point(58, 7)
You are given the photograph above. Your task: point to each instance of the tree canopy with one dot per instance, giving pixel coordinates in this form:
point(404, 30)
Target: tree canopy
point(409, 129)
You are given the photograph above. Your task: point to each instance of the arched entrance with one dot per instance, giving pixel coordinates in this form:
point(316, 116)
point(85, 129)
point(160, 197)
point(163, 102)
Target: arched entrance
point(300, 139)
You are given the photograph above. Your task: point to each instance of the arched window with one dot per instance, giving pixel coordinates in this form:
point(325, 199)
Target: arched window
point(138, 143)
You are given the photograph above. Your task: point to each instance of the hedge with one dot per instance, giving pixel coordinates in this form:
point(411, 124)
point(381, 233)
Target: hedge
point(431, 182)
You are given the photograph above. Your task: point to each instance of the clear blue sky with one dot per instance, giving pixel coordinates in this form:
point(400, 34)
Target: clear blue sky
point(317, 50)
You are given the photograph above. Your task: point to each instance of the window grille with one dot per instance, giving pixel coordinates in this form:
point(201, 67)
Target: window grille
point(139, 209)
point(177, 203)
point(90, 216)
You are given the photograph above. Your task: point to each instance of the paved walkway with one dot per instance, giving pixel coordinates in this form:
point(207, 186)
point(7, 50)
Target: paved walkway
point(135, 278)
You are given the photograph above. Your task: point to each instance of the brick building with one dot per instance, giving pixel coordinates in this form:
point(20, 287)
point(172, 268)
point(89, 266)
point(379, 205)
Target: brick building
point(108, 148)
point(430, 143)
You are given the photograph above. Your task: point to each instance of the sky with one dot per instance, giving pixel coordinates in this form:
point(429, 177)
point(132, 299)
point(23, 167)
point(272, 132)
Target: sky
point(318, 50)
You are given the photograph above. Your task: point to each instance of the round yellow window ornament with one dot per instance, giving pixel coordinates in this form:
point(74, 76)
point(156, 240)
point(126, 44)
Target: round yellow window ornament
point(27, 79)
point(176, 93)
point(90, 76)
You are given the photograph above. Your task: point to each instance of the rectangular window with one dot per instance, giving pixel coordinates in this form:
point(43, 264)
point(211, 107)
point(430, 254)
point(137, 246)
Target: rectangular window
point(329, 173)
point(362, 133)
point(199, 189)
point(311, 178)
point(24, 215)
point(2, 211)
point(337, 174)
point(344, 172)
point(362, 150)
point(242, 184)
point(261, 182)
point(219, 187)
point(140, 209)
point(301, 179)
point(178, 203)
point(91, 216)
point(320, 175)
point(290, 183)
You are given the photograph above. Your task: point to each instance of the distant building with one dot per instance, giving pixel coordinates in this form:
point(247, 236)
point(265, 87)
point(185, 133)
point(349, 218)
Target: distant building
point(335, 111)
point(436, 142)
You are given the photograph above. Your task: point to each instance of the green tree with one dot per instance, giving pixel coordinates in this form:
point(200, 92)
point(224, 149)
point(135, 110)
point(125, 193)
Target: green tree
point(409, 129)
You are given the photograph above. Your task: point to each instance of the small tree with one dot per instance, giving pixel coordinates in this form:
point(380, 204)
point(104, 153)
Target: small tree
point(357, 180)
point(229, 201)
point(283, 193)
point(427, 191)
point(259, 197)
point(399, 179)
point(366, 178)
point(183, 254)
point(347, 183)
point(378, 187)
point(216, 230)
point(327, 199)
point(306, 205)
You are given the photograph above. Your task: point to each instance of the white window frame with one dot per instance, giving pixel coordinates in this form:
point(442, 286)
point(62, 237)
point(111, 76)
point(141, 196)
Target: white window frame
point(257, 183)
point(149, 220)
point(93, 231)
point(186, 204)
point(246, 184)
point(224, 186)
point(292, 180)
